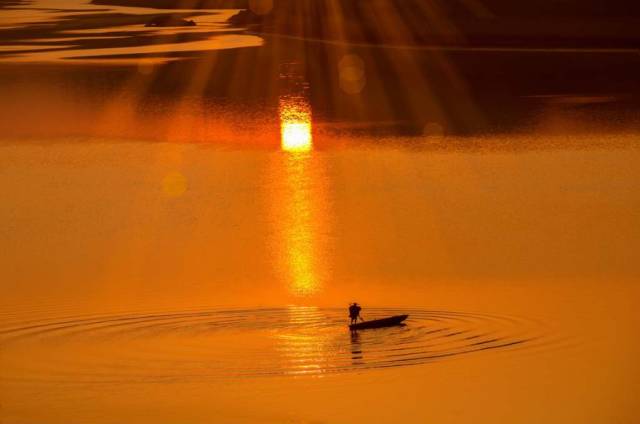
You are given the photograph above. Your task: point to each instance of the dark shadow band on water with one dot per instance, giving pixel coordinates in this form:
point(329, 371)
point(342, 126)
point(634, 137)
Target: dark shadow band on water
point(450, 94)
point(374, 90)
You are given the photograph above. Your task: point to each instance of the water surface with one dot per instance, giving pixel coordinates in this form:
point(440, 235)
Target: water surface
point(183, 231)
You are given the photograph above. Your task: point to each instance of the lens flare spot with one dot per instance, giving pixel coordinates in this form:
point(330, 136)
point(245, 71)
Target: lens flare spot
point(261, 7)
point(351, 70)
point(174, 184)
point(433, 130)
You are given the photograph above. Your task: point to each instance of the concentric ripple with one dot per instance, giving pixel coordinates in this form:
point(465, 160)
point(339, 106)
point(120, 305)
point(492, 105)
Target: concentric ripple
point(245, 343)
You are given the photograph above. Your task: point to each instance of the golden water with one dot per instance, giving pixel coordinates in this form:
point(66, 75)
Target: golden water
point(187, 254)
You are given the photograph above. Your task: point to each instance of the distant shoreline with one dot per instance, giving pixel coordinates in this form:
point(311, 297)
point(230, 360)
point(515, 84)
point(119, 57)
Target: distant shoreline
point(177, 4)
point(10, 3)
point(561, 33)
point(544, 25)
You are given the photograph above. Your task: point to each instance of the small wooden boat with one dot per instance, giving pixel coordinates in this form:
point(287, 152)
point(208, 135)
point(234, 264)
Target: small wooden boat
point(378, 323)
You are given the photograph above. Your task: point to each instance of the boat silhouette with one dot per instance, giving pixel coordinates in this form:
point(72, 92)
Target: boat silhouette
point(379, 323)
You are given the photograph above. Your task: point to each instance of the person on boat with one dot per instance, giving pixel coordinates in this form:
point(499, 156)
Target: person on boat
point(354, 312)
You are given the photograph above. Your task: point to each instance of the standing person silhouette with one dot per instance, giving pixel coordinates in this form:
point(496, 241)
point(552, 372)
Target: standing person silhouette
point(354, 312)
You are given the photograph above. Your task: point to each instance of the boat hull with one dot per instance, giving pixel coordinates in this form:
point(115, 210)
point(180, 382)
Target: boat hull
point(379, 323)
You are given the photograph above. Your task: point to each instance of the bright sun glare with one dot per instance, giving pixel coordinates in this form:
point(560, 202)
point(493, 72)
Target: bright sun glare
point(296, 136)
point(295, 122)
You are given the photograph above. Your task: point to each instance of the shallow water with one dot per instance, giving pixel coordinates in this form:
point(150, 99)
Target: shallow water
point(180, 240)
point(46, 31)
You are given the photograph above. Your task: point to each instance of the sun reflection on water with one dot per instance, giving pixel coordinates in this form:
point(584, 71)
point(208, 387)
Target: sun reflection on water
point(298, 231)
point(299, 205)
point(295, 111)
point(305, 350)
point(295, 125)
